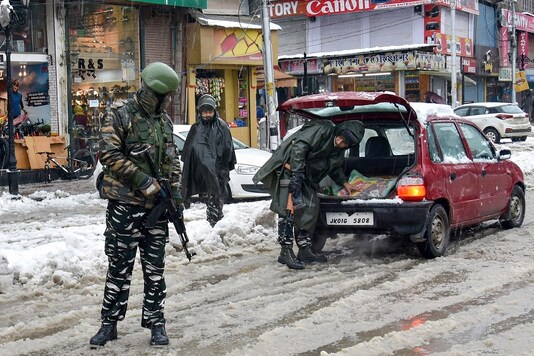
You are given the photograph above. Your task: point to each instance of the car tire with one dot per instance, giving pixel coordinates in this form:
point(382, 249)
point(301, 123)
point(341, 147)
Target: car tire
point(492, 135)
point(437, 233)
point(516, 209)
point(518, 139)
point(318, 241)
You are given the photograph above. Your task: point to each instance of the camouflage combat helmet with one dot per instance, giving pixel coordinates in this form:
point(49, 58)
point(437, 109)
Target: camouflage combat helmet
point(206, 103)
point(161, 78)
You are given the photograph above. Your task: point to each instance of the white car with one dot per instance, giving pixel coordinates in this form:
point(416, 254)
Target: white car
point(249, 160)
point(497, 120)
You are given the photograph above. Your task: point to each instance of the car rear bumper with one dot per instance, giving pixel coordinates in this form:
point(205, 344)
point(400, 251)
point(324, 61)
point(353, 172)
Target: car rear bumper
point(405, 218)
point(517, 130)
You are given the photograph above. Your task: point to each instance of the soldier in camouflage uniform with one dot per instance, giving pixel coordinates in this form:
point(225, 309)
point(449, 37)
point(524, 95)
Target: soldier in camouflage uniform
point(131, 127)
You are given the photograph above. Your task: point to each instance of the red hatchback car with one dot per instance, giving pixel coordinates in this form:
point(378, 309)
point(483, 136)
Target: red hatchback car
point(420, 175)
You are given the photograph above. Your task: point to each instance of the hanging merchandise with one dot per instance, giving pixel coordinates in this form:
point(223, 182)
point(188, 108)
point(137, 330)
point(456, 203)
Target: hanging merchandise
point(212, 86)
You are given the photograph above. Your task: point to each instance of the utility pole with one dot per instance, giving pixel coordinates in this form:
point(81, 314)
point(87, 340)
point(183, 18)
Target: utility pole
point(453, 53)
point(513, 48)
point(272, 124)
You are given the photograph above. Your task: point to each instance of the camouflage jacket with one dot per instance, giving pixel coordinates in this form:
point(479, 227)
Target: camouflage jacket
point(127, 128)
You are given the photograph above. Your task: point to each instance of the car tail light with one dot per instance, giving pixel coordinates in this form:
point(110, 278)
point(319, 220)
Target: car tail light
point(411, 188)
point(504, 116)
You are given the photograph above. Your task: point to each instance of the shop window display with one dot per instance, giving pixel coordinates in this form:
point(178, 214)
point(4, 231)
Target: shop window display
point(30, 37)
point(104, 60)
point(243, 104)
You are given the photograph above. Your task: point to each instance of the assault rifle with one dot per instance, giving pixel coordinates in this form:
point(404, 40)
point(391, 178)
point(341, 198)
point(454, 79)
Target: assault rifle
point(168, 205)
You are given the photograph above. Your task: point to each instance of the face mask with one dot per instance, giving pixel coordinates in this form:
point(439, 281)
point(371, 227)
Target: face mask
point(148, 100)
point(165, 100)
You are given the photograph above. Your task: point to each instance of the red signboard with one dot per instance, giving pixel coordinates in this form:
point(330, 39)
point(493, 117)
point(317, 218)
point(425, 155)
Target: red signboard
point(432, 22)
point(469, 65)
point(311, 8)
point(504, 47)
point(296, 66)
point(522, 50)
point(523, 22)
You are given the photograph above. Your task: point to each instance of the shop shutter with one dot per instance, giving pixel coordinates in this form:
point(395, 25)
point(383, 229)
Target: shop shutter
point(158, 37)
point(158, 26)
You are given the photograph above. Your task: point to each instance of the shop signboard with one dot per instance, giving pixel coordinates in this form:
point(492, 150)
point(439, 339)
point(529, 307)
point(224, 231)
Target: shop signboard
point(523, 50)
point(384, 62)
point(464, 46)
point(523, 22)
point(505, 74)
point(296, 66)
point(237, 45)
point(469, 66)
point(197, 4)
point(432, 22)
point(312, 8)
point(521, 83)
point(504, 47)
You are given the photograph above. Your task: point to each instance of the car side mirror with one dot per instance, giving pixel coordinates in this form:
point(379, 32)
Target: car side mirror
point(504, 154)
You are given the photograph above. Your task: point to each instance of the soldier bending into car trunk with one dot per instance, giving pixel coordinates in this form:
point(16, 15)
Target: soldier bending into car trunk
point(293, 173)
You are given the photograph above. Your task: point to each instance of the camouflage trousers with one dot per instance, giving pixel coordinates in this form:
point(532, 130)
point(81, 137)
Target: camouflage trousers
point(214, 208)
point(125, 231)
point(286, 231)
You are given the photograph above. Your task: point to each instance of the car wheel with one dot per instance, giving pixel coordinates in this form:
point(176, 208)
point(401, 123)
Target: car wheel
point(318, 241)
point(228, 199)
point(492, 135)
point(523, 138)
point(437, 233)
point(516, 209)
point(516, 139)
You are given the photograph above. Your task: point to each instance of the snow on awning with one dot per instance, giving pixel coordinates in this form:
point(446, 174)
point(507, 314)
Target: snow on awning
point(350, 52)
point(242, 22)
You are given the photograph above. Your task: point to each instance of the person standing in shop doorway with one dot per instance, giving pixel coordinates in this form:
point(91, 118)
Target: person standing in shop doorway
point(208, 157)
point(18, 105)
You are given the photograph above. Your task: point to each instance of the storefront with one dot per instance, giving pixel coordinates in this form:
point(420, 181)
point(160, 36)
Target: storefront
point(403, 71)
point(29, 66)
point(104, 58)
point(222, 58)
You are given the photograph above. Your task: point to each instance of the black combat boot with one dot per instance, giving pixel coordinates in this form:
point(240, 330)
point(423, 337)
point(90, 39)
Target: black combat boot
point(287, 257)
point(306, 255)
point(107, 332)
point(159, 335)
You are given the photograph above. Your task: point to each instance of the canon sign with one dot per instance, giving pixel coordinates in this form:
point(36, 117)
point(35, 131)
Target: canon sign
point(311, 8)
point(329, 7)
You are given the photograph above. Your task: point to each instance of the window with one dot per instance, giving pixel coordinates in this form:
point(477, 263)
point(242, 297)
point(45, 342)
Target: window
point(461, 112)
point(480, 148)
point(477, 111)
point(450, 143)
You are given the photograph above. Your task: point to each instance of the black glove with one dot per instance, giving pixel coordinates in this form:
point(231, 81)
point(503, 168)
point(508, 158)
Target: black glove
point(295, 188)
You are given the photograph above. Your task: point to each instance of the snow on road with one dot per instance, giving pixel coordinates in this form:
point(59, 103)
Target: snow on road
point(375, 298)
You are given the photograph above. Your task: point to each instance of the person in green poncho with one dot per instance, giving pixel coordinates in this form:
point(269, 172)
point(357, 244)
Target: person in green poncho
point(293, 173)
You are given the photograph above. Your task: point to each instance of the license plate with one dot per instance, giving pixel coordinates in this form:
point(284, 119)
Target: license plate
point(356, 219)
